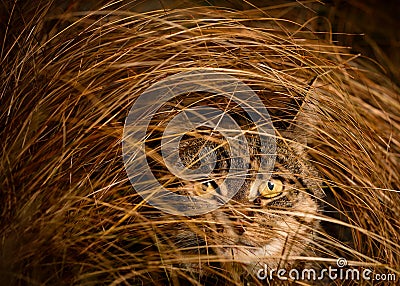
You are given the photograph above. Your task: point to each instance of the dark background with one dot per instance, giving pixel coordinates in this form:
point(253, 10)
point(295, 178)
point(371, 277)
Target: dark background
point(369, 27)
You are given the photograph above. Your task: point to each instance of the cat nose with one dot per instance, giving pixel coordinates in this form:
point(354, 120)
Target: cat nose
point(257, 201)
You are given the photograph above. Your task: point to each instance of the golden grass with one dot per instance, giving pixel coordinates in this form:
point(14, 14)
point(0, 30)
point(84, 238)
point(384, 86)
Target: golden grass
point(68, 212)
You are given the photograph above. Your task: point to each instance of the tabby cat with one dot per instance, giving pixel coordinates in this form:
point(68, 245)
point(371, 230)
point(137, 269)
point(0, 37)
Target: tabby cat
point(272, 225)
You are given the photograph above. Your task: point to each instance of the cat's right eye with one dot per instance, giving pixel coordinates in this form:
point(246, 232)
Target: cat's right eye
point(271, 189)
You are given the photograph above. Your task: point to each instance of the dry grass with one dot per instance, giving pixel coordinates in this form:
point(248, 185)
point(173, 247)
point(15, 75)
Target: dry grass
point(68, 212)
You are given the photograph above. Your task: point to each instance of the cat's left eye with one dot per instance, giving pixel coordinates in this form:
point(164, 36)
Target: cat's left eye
point(271, 189)
point(208, 187)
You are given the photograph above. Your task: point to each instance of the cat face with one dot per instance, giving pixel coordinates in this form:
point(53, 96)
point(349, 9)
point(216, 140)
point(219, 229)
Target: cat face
point(272, 217)
point(276, 224)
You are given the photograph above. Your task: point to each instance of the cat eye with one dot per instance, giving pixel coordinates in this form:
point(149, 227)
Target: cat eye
point(205, 188)
point(208, 187)
point(271, 189)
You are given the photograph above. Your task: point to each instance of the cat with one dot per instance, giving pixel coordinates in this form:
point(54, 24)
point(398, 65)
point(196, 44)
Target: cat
point(272, 226)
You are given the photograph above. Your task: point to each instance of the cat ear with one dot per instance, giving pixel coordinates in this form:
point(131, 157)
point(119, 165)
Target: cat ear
point(300, 124)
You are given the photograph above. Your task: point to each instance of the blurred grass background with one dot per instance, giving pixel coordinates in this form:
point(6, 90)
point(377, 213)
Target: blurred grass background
point(368, 27)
